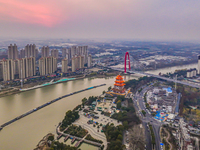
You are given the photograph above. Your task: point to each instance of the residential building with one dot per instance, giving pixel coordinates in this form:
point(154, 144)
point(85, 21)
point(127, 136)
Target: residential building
point(30, 51)
point(198, 64)
point(8, 69)
point(16, 69)
point(45, 51)
point(54, 53)
point(74, 63)
point(22, 53)
point(81, 61)
point(12, 52)
point(65, 65)
point(89, 63)
point(1, 71)
point(47, 65)
point(42, 66)
point(26, 67)
point(73, 51)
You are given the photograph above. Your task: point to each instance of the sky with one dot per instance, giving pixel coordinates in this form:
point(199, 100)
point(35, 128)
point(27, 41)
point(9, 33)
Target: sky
point(121, 19)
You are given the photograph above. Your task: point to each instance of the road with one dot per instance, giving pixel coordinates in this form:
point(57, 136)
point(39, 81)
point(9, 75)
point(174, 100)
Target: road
point(159, 77)
point(148, 118)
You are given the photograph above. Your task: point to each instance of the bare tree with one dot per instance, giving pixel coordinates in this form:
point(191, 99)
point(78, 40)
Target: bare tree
point(137, 137)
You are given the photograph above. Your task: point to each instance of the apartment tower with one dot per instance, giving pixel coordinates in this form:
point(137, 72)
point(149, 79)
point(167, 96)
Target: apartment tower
point(89, 63)
point(31, 51)
point(12, 52)
point(47, 65)
point(65, 65)
point(198, 64)
point(45, 51)
point(54, 53)
point(8, 69)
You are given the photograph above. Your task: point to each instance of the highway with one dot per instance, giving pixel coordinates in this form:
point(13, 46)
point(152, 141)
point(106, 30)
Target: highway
point(159, 77)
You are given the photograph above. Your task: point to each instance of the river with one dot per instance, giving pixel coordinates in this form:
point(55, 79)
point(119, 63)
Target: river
point(25, 133)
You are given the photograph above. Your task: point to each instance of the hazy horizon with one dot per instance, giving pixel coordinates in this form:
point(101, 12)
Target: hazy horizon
point(150, 20)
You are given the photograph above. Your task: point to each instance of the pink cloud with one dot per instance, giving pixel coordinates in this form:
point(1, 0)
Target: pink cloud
point(30, 13)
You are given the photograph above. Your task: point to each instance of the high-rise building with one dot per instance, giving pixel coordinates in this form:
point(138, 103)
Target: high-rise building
point(45, 51)
point(64, 52)
point(16, 69)
point(31, 51)
point(198, 64)
point(22, 68)
point(42, 66)
point(69, 54)
point(47, 65)
point(30, 67)
point(89, 61)
point(12, 52)
point(1, 71)
point(54, 53)
point(74, 63)
point(26, 67)
point(8, 69)
point(81, 61)
point(22, 53)
point(65, 65)
point(73, 51)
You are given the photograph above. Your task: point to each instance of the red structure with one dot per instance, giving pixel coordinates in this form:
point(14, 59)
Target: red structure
point(128, 62)
point(119, 85)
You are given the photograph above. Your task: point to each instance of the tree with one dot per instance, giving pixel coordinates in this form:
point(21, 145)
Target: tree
point(118, 104)
point(144, 112)
point(51, 138)
point(125, 124)
point(120, 137)
point(109, 88)
point(84, 100)
point(137, 138)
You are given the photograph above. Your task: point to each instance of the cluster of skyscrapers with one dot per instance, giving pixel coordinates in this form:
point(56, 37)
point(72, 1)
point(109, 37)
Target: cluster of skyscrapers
point(18, 65)
point(22, 64)
point(76, 56)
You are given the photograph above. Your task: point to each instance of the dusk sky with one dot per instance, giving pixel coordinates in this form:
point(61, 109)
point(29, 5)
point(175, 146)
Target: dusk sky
point(130, 19)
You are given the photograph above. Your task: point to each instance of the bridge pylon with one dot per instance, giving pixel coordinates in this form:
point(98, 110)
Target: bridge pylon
point(127, 54)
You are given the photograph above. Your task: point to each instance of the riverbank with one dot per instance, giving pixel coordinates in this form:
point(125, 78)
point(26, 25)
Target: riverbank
point(47, 118)
point(46, 104)
point(30, 86)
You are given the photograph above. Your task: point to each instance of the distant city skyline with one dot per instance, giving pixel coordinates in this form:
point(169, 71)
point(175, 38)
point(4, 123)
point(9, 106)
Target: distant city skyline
point(85, 19)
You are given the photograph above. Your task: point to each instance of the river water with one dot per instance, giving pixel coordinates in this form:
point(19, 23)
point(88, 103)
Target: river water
point(25, 133)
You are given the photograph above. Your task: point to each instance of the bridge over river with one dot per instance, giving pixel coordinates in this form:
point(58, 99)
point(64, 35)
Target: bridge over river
point(159, 77)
